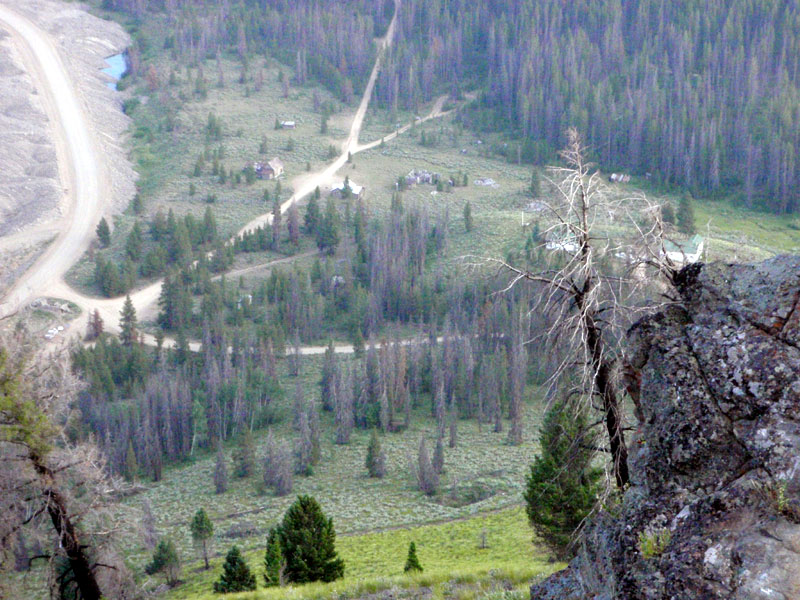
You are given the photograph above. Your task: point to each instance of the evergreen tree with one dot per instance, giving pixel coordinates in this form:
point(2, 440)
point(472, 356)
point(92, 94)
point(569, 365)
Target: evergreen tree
point(376, 459)
point(562, 485)
point(330, 371)
point(127, 324)
point(312, 218)
point(220, 473)
point(685, 216)
point(308, 540)
point(202, 530)
point(244, 456)
point(274, 564)
point(412, 562)
point(276, 221)
point(328, 232)
point(468, 224)
point(133, 245)
point(103, 233)
point(236, 575)
point(165, 560)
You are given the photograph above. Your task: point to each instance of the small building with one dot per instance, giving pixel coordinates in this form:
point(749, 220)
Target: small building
point(356, 191)
point(288, 125)
point(562, 240)
point(274, 168)
point(416, 177)
point(269, 170)
point(685, 253)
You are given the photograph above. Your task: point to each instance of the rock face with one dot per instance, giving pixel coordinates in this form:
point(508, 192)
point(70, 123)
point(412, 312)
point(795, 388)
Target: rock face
point(715, 461)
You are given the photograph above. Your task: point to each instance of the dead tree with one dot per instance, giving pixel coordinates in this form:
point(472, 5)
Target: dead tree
point(592, 285)
point(44, 479)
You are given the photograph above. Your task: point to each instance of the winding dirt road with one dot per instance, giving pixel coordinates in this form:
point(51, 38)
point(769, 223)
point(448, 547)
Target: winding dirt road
point(83, 171)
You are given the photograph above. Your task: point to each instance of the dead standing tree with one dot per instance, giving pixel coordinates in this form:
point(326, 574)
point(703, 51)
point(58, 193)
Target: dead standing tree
point(589, 298)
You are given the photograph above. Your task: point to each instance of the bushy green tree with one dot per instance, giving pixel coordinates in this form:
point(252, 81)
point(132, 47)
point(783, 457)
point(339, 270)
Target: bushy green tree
point(312, 217)
point(274, 563)
point(468, 223)
point(202, 529)
point(244, 456)
point(236, 575)
point(328, 231)
point(412, 562)
point(308, 540)
point(128, 323)
point(103, 233)
point(562, 485)
point(165, 560)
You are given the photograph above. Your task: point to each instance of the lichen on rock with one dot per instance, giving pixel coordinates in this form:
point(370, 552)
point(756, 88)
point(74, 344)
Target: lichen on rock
point(716, 456)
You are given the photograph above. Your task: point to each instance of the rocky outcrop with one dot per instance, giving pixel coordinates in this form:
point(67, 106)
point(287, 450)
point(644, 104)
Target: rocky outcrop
point(714, 506)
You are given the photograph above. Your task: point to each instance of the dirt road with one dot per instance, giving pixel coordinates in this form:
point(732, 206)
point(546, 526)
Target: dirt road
point(83, 174)
point(81, 171)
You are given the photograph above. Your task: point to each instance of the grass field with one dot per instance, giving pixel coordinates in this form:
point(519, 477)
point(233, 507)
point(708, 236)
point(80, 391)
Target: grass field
point(465, 558)
point(483, 474)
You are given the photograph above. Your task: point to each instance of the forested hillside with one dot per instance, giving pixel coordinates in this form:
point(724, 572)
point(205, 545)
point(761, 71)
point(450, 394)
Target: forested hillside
point(699, 94)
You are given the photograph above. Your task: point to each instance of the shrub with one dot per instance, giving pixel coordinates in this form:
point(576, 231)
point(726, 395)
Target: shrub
point(653, 543)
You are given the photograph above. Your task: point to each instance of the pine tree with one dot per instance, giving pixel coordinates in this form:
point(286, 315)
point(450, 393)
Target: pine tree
point(328, 232)
point(685, 216)
point(562, 485)
point(376, 459)
point(330, 371)
point(236, 575)
point(312, 218)
point(220, 473)
point(412, 562)
point(468, 224)
point(127, 324)
point(244, 456)
point(274, 564)
point(276, 221)
point(133, 245)
point(202, 530)
point(103, 233)
point(308, 540)
point(165, 560)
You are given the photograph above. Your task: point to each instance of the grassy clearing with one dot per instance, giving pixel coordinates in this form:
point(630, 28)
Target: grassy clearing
point(451, 554)
point(483, 474)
